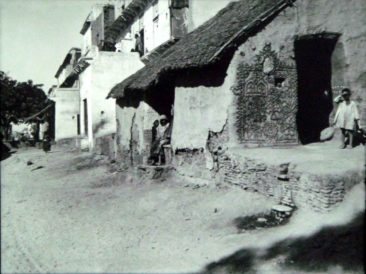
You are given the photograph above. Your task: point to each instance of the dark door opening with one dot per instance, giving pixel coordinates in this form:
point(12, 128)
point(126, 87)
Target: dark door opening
point(142, 41)
point(314, 69)
point(78, 123)
point(85, 116)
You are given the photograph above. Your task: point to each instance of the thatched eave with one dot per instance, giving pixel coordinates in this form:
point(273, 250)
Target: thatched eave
point(207, 44)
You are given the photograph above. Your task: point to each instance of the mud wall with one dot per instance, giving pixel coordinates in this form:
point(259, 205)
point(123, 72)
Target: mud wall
point(133, 136)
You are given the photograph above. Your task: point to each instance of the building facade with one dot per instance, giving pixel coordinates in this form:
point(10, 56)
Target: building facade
point(99, 71)
point(67, 100)
point(258, 74)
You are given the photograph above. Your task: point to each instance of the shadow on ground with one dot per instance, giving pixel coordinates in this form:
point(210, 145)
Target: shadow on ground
point(332, 246)
point(5, 151)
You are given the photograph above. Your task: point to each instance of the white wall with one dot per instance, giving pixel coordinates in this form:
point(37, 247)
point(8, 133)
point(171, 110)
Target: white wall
point(87, 42)
point(208, 109)
point(202, 10)
point(158, 31)
point(66, 111)
point(64, 73)
point(154, 33)
point(106, 70)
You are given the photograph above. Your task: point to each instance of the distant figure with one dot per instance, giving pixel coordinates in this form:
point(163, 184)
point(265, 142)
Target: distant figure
point(346, 117)
point(118, 47)
point(32, 130)
point(139, 47)
point(43, 129)
point(44, 135)
point(163, 134)
point(154, 130)
point(46, 144)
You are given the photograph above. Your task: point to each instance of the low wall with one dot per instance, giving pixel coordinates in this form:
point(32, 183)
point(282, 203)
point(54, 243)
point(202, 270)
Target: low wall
point(317, 192)
point(106, 145)
point(69, 143)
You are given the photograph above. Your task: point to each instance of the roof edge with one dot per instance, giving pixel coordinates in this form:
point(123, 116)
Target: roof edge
point(239, 36)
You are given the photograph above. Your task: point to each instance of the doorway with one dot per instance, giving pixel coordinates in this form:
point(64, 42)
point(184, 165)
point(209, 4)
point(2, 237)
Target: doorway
point(78, 123)
point(313, 55)
point(142, 41)
point(85, 102)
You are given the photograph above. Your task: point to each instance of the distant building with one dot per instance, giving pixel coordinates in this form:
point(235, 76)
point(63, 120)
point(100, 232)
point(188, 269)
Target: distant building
point(99, 71)
point(66, 95)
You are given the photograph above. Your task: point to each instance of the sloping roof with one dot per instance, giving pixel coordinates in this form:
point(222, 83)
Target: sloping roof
point(66, 60)
point(157, 52)
point(129, 14)
point(86, 24)
point(81, 65)
point(206, 44)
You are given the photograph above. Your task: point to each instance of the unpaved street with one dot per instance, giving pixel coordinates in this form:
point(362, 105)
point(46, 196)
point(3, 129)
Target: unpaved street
point(60, 216)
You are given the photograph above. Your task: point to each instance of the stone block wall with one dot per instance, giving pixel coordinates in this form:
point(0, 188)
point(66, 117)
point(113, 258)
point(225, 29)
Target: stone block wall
point(322, 193)
point(319, 193)
point(218, 164)
point(249, 175)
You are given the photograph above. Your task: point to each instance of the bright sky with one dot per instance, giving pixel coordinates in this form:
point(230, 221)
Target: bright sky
point(35, 36)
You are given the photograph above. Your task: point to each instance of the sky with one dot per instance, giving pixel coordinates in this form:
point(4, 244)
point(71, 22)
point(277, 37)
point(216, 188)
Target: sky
point(35, 36)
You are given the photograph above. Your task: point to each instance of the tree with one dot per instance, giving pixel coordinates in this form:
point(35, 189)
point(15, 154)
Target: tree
point(19, 100)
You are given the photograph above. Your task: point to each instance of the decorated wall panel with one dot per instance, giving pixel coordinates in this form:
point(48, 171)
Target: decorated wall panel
point(266, 100)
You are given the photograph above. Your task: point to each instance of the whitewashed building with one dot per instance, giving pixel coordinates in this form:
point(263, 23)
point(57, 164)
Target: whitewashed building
point(67, 99)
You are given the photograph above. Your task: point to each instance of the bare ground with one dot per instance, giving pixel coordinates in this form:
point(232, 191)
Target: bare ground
point(67, 212)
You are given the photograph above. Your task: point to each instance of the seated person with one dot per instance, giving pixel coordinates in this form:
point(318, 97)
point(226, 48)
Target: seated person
point(161, 138)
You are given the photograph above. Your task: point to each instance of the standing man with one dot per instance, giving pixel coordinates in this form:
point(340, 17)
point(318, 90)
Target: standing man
point(346, 117)
point(139, 47)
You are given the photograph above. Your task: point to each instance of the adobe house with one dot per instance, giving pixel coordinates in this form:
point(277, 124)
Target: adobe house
point(259, 74)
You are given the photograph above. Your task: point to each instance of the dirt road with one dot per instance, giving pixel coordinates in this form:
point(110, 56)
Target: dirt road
point(60, 218)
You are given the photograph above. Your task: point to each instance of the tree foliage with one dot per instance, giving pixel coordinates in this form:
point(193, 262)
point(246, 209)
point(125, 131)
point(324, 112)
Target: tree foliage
point(19, 100)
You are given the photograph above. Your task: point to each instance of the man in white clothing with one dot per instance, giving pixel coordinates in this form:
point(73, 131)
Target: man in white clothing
point(346, 117)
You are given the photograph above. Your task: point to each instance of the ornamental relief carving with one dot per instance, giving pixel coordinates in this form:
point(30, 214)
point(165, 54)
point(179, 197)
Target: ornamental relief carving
point(266, 100)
